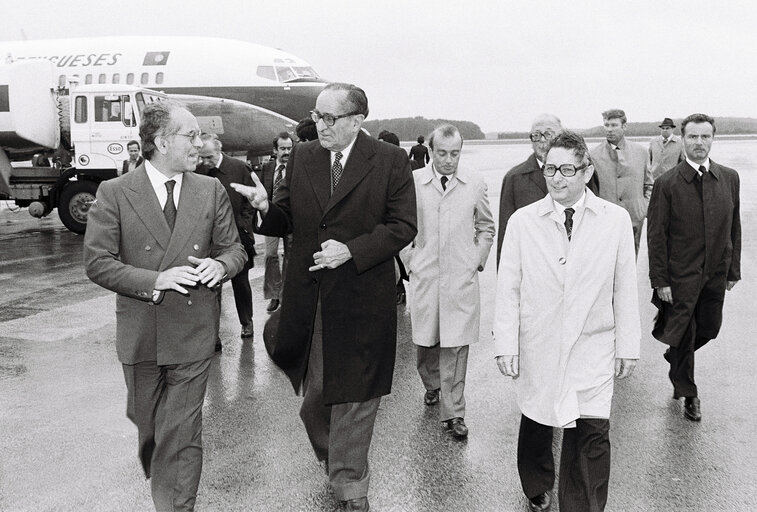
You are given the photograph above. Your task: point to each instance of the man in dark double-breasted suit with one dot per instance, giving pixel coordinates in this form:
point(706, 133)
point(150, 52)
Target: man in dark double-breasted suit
point(349, 201)
point(229, 170)
point(163, 238)
point(694, 237)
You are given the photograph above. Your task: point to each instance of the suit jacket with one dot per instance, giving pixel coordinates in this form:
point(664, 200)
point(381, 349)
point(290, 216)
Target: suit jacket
point(231, 171)
point(128, 243)
point(522, 185)
point(694, 241)
point(567, 308)
point(663, 157)
point(266, 176)
point(419, 153)
point(373, 212)
point(455, 235)
point(125, 165)
point(624, 177)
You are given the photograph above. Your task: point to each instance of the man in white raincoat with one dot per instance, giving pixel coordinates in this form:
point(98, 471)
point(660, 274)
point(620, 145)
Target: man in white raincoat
point(455, 234)
point(567, 322)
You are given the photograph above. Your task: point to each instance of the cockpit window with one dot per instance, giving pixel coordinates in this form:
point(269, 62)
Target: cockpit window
point(266, 72)
point(286, 72)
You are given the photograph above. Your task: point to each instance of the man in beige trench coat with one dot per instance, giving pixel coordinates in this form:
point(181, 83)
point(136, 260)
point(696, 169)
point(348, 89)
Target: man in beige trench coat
point(566, 322)
point(455, 234)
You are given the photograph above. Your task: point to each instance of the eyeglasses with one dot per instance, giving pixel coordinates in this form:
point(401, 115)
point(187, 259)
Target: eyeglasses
point(329, 119)
point(567, 170)
point(193, 135)
point(537, 136)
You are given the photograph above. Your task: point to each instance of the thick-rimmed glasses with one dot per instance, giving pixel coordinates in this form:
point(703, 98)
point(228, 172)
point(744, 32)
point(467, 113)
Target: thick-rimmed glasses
point(329, 119)
point(567, 170)
point(537, 136)
point(193, 135)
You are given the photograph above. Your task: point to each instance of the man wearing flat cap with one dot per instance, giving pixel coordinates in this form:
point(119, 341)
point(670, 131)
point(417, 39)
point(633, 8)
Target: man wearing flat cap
point(665, 150)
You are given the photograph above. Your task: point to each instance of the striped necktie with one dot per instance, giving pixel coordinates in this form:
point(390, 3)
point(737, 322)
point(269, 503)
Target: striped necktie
point(278, 177)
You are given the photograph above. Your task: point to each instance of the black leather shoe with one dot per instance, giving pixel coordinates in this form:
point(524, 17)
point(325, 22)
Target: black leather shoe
point(540, 503)
point(691, 408)
point(359, 504)
point(247, 330)
point(456, 426)
point(431, 397)
point(273, 305)
point(219, 347)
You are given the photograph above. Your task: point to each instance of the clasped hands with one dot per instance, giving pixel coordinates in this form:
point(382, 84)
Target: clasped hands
point(206, 271)
point(509, 366)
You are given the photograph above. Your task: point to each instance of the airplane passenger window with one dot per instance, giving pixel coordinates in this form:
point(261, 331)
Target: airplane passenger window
point(266, 72)
point(80, 109)
point(88, 79)
point(144, 78)
point(101, 79)
point(159, 78)
point(116, 78)
point(130, 78)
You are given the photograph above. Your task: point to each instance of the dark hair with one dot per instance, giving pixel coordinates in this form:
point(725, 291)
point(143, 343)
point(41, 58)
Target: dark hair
point(444, 130)
point(697, 118)
point(306, 129)
point(156, 119)
point(355, 97)
point(573, 142)
point(615, 113)
point(389, 137)
point(281, 135)
point(421, 139)
point(132, 143)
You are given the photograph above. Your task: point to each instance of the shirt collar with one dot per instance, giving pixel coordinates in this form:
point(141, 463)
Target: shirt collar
point(158, 177)
point(578, 205)
point(220, 159)
point(345, 153)
point(695, 165)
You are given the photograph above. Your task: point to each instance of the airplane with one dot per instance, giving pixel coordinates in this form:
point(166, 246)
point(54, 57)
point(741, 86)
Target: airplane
point(244, 92)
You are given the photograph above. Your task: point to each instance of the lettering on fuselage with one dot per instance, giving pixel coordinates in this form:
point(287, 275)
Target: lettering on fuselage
point(80, 60)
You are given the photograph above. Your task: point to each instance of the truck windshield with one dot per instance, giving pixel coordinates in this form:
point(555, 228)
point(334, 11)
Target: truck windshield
point(107, 110)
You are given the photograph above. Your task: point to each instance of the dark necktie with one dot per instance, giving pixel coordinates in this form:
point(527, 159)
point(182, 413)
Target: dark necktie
point(278, 177)
point(336, 171)
point(169, 210)
point(569, 221)
point(444, 182)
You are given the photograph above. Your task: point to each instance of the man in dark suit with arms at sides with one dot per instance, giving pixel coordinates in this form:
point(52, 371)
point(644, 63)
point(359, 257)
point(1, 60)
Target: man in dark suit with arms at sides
point(163, 238)
point(227, 170)
point(694, 237)
point(349, 201)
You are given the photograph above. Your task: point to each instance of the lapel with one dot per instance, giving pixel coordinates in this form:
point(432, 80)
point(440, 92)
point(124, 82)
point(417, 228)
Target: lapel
point(144, 202)
point(318, 169)
point(358, 165)
point(191, 205)
point(426, 177)
point(535, 174)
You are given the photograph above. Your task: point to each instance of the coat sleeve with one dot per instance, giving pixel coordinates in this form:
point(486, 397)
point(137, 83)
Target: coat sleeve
point(278, 220)
point(625, 295)
point(483, 225)
point(658, 224)
point(247, 214)
point(734, 273)
point(506, 209)
point(226, 246)
point(507, 302)
point(648, 179)
point(400, 220)
point(102, 242)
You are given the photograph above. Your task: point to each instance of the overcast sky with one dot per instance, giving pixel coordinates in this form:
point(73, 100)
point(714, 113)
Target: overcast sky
point(495, 63)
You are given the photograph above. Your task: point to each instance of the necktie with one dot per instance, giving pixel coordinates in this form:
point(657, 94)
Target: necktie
point(169, 210)
point(336, 171)
point(569, 221)
point(278, 177)
point(444, 182)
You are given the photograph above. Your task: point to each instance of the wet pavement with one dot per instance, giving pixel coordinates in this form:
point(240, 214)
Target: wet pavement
point(66, 443)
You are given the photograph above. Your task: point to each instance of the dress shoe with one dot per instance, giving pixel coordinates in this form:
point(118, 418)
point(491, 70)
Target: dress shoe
point(456, 426)
point(431, 397)
point(691, 408)
point(359, 504)
point(247, 330)
point(219, 347)
point(540, 503)
point(273, 305)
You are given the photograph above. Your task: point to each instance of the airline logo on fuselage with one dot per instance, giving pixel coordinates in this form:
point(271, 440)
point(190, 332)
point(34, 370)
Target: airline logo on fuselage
point(80, 60)
point(156, 58)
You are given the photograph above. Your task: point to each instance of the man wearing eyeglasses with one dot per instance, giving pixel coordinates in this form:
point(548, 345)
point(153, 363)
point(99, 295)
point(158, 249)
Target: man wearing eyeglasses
point(566, 323)
point(163, 238)
point(349, 201)
point(622, 166)
point(524, 184)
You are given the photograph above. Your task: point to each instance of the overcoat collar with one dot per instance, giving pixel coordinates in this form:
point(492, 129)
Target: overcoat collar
point(427, 175)
point(535, 173)
point(689, 173)
point(546, 206)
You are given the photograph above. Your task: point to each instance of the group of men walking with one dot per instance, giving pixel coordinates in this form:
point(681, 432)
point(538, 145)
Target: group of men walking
point(566, 318)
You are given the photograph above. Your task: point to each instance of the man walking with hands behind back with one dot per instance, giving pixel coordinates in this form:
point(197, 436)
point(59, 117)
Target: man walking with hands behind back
point(694, 238)
point(163, 238)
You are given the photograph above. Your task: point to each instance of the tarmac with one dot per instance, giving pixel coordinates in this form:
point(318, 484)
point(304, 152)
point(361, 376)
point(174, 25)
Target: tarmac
point(67, 445)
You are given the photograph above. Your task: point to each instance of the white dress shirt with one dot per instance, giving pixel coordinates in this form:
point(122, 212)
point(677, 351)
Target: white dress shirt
point(158, 181)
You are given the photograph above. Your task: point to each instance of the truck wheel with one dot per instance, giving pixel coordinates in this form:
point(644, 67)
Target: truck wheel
point(74, 204)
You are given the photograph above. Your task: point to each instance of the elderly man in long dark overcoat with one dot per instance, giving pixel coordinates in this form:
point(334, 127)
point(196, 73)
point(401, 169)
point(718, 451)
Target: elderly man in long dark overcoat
point(349, 202)
point(694, 237)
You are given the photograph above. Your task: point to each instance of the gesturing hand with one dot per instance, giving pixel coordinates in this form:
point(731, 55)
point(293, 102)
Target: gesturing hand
point(256, 195)
point(331, 255)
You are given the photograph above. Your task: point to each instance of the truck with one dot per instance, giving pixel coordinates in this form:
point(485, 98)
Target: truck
point(90, 125)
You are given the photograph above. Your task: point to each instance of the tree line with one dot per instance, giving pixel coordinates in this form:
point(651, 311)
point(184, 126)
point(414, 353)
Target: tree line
point(409, 128)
